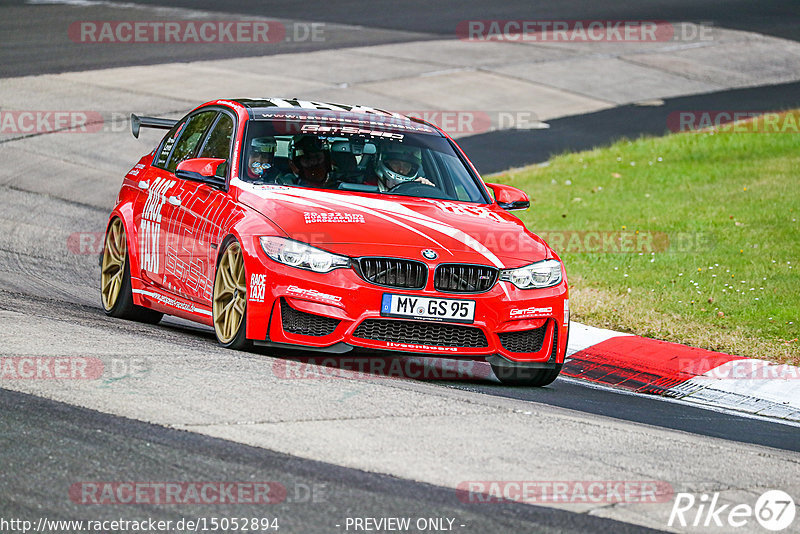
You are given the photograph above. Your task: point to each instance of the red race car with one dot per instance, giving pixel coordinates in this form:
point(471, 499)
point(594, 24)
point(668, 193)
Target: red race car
point(324, 227)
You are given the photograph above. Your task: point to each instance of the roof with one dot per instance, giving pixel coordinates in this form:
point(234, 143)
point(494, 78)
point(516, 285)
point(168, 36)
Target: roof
point(266, 108)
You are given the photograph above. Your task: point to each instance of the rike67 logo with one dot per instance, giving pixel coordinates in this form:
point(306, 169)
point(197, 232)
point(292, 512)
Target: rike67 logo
point(774, 510)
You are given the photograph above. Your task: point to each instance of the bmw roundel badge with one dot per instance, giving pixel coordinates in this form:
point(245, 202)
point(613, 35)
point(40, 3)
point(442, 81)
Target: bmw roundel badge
point(429, 254)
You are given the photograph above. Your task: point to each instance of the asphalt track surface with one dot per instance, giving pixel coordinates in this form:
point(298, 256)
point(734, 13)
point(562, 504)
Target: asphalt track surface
point(48, 445)
point(497, 151)
point(35, 40)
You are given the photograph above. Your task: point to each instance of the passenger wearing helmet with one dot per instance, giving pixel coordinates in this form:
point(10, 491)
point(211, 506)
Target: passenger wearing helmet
point(310, 162)
point(398, 164)
point(259, 159)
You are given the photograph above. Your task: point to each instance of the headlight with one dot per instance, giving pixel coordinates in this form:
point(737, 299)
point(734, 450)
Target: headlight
point(536, 275)
point(297, 254)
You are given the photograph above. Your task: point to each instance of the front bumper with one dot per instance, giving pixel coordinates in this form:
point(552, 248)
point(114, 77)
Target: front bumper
point(294, 308)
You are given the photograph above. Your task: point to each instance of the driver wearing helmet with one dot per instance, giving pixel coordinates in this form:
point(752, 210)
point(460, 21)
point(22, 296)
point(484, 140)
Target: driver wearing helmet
point(398, 164)
point(259, 158)
point(310, 162)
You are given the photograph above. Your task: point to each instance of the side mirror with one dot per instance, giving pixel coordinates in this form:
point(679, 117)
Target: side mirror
point(510, 198)
point(203, 170)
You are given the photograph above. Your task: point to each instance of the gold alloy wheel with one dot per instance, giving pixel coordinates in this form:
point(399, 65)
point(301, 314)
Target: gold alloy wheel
point(230, 294)
point(114, 254)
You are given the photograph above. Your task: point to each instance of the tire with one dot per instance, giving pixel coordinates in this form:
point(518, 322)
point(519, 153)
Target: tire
point(526, 376)
point(229, 299)
point(115, 279)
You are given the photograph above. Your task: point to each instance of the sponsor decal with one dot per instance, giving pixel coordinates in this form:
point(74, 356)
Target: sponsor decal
point(313, 294)
point(414, 346)
point(473, 211)
point(533, 311)
point(135, 170)
point(332, 217)
point(272, 187)
point(150, 225)
point(348, 130)
point(258, 286)
point(172, 302)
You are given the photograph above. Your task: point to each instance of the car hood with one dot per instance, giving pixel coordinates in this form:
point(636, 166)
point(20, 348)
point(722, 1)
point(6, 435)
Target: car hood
point(396, 226)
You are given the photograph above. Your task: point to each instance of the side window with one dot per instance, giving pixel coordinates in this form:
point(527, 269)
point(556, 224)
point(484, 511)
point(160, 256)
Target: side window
point(218, 143)
point(167, 144)
point(192, 134)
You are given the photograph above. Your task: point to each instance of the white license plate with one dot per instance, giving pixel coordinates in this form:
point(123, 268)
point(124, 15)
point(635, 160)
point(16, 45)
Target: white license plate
point(431, 309)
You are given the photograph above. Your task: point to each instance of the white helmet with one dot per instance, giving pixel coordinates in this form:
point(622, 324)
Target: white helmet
point(398, 163)
point(258, 147)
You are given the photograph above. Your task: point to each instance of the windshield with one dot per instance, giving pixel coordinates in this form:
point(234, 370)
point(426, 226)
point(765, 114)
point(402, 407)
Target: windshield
point(357, 158)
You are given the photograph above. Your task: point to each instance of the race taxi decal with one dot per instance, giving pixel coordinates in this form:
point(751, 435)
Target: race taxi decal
point(258, 284)
point(332, 217)
point(150, 225)
point(533, 311)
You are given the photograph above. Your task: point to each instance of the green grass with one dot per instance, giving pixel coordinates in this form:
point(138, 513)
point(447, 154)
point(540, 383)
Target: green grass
point(729, 205)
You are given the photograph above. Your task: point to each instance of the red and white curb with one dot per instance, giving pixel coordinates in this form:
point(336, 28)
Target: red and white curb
point(708, 378)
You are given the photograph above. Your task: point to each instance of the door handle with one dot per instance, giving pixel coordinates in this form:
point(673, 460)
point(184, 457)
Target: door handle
point(175, 201)
point(144, 184)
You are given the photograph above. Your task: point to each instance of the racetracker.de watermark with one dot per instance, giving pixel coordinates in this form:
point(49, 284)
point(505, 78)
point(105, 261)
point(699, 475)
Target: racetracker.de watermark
point(194, 32)
point(195, 492)
point(564, 491)
point(572, 241)
point(471, 122)
point(71, 368)
point(370, 368)
point(206, 492)
point(453, 121)
point(744, 369)
point(582, 31)
point(734, 121)
point(33, 122)
point(41, 121)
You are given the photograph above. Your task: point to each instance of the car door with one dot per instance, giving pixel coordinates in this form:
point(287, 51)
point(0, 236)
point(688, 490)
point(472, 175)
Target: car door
point(196, 219)
point(153, 184)
point(163, 194)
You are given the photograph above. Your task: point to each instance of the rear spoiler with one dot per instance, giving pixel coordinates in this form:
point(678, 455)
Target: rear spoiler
point(150, 122)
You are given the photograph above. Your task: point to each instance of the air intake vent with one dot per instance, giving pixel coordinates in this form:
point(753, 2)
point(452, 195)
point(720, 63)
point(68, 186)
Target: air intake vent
point(460, 278)
point(421, 333)
point(307, 324)
point(393, 272)
point(524, 340)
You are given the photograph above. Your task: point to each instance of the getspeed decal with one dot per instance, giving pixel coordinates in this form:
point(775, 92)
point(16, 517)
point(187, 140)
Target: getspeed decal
point(533, 311)
point(313, 294)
